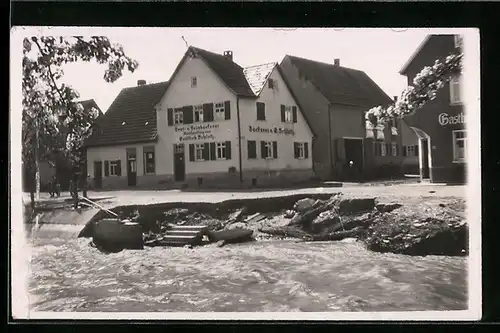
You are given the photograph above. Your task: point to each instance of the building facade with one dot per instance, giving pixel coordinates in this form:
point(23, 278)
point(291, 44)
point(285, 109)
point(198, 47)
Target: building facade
point(334, 99)
point(214, 124)
point(439, 126)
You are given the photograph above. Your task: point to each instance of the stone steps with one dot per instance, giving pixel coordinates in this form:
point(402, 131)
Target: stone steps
point(184, 235)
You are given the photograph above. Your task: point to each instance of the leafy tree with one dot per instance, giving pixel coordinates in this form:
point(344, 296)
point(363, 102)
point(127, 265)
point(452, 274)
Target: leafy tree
point(53, 122)
point(425, 86)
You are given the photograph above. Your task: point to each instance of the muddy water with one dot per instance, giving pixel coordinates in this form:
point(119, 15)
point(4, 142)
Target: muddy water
point(69, 275)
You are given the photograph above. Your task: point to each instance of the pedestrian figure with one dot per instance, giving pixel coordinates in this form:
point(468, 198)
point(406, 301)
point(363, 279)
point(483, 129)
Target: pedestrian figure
point(74, 190)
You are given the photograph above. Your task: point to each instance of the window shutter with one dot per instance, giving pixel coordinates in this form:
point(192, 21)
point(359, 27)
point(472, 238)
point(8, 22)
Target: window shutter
point(295, 150)
point(187, 114)
point(282, 113)
point(404, 151)
point(397, 149)
point(213, 151)
point(227, 110)
point(206, 151)
point(275, 149)
point(228, 150)
point(106, 168)
point(388, 150)
point(416, 150)
point(170, 117)
point(191, 152)
point(306, 150)
point(294, 112)
point(252, 149)
point(340, 149)
point(119, 168)
point(208, 112)
point(379, 148)
point(263, 151)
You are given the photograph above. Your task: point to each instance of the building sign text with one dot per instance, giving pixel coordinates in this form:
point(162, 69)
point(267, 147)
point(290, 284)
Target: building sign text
point(273, 130)
point(445, 119)
point(196, 132)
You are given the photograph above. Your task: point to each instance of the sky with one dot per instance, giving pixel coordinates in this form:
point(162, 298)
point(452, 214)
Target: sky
point(379, 52)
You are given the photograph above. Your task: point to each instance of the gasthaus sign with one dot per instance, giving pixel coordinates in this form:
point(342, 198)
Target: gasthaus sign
point(445, 119)
point(196, 132)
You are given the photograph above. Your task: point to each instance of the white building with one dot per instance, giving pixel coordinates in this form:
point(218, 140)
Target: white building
point(214, 124)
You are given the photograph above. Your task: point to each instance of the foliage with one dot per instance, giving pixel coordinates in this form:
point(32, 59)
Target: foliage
point(50, 105)
point(425, 86)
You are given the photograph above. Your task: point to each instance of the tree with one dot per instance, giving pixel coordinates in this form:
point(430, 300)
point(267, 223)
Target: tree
point(53, 121)
point(425, 86)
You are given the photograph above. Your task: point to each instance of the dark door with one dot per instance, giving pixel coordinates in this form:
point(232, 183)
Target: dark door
point(424, 168)
point(179, 163)
point(353, 159)
point(98, 174)
point(131, 168)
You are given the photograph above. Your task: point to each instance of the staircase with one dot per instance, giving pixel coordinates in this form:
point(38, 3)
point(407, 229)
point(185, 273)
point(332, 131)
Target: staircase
point(183, 235)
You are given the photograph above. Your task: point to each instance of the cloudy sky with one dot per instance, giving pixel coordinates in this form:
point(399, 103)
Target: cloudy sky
point(379, 52)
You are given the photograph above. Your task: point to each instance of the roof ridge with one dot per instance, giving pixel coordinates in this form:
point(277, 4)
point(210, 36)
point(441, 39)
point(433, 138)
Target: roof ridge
point(146, 85)
point(267, 63)
point(325, 63)
point(215, 54)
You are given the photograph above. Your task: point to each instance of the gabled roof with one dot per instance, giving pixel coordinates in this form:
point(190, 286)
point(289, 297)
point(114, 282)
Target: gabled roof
point(414, 55)
point(257, 76)
point(228, 71)
point(131, 118)
point(89, 104)
point(341, 85)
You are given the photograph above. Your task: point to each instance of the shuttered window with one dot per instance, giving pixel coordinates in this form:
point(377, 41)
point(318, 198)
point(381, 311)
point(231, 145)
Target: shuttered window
point(252, 149)
point(261, 111)
point(301, 150)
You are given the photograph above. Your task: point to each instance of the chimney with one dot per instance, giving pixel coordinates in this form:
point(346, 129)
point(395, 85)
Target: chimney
point(395, 98)
point(228, 55)
point(336, 62)
point(141, 82)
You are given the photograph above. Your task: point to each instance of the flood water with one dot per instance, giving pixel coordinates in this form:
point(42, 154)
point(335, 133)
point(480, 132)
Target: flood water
point(69, 275)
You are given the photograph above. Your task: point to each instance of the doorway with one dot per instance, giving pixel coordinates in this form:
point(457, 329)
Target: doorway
point(424, 169)
point(97, 174)
point(353, 164)
point(131, 167)
point(179, 163)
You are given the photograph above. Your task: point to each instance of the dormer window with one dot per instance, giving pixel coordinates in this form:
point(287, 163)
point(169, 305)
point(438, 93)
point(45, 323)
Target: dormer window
point(194, 82)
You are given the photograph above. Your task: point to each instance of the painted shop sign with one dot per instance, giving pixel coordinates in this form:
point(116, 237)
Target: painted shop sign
point(445, 119)
point(273, 130)
point(196, 132)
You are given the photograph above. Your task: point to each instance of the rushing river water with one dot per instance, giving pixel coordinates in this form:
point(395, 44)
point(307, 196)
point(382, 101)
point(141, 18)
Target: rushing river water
point(69, 275)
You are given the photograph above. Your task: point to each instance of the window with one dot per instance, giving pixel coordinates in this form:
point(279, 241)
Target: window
point(178, 116)
point(455, 90)
point(198, 152)
point(271, 83)
point(219, 111)
point(194, 82)
point(221, 150)
point(394, 149)
point(288, 114)
point(457, 39)
point(198, 113)
point(114, 168)
point(383, 149)
point(301, 150)
point(269, 149)
point(261, 111)
point(149, 160)
point(252, 149)
point(410, 151)
point(459, 145)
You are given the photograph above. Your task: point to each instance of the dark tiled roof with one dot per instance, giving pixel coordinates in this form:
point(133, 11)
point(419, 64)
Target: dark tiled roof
point(229, 71)
point(131, 118)
point(341, 85)
point(89, 103)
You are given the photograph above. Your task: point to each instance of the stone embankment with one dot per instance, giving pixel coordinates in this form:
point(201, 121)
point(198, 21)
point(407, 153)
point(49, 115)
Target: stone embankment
point(421, 227)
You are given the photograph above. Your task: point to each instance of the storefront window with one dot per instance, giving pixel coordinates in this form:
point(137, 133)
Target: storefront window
point(459, 145)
